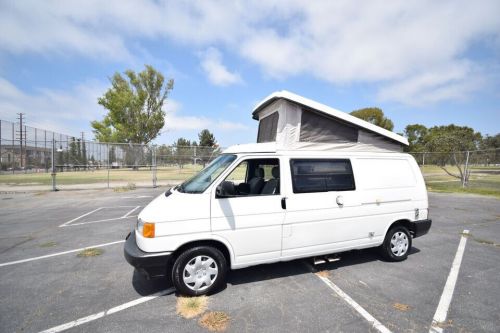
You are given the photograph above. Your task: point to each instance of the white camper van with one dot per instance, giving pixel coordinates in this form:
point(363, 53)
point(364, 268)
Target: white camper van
point(318, 181)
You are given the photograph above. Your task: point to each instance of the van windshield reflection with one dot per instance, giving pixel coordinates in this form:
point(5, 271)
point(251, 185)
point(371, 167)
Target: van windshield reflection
point(201, 181)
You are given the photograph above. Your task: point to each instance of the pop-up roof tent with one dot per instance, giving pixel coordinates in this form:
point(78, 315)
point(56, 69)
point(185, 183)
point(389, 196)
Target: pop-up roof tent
point(295, 122)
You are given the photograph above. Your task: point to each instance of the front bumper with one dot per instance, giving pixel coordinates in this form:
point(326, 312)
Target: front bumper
point(420, 228)
point(151, 264)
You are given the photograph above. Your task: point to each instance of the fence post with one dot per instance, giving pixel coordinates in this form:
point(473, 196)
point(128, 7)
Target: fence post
point(13, 151)
point(153, 162)
point(466, 177)
point(108, 164)
point(53, 174)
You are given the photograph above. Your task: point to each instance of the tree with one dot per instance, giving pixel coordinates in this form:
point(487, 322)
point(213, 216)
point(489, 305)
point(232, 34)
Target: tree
point(208, 146)
point(416, 134)
point(134, 103)
point(375, 116)
point(183, 153)
point(491, 142)
point(453, 142)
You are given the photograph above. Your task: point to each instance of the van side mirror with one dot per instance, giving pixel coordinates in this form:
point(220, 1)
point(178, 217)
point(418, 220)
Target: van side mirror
point(224, 190)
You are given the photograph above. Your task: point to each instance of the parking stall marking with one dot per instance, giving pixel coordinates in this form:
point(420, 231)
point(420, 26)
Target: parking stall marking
point(108, 312)
point(59, 253)
point(372, 320)
point(81, 216)
point(127, 215)
point(449, 288)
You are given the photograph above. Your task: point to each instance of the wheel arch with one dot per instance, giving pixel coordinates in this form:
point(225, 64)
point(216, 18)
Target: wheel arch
point(217, 243)
point(404, 223)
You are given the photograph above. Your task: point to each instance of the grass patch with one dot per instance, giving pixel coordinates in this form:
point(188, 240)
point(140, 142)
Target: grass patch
point(128, 187)
point(91, 252)
point(190, 307)
point(216, 321)
point(401, 307)
point(48, 244)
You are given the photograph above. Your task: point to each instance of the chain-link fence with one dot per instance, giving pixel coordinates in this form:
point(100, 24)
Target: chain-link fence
point(467, 171)
point(37, 159)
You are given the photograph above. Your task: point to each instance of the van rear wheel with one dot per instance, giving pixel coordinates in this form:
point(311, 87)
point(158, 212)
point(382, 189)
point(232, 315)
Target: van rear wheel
point(199, 270)
point(397, 244)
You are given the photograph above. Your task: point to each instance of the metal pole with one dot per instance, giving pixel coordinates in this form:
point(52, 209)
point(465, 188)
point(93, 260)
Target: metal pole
point(53, 174)
point(13, 151)
point(153, 162)
point(464, 181)
point(108, 164)
point(0, 144)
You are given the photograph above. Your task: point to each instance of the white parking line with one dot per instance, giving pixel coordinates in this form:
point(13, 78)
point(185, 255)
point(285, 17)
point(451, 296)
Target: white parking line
point(130, 212)
point(108, 312)
point(81, 216)
point(98, 221)
point(127, 215)
point(449, 287)
point(374, 322)
point(58, 254)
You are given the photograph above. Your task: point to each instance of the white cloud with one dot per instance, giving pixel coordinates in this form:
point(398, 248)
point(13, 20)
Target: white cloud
point(174, 121)
point(55, 110)
point(398, 45)
point(217, 73)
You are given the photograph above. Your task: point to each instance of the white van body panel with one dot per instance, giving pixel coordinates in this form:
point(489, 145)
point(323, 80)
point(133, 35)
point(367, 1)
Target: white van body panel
point(389, 187)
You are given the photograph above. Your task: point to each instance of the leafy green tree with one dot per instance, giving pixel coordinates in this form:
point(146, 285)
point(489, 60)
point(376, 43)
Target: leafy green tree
point(491, 142)
point(134, 103)
point(208, 146)
point(375, 116)
point(452, 142)
point(183, 152)
point(416, 135)
point(73, 152)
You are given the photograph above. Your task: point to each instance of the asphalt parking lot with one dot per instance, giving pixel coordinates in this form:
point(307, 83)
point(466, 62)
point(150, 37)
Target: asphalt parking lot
point(45, 285)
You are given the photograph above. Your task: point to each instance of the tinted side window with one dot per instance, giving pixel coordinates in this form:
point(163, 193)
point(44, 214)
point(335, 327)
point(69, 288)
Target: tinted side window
point(321, 175)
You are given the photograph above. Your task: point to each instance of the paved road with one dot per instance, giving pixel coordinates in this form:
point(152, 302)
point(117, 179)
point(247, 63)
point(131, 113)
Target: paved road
point(285, 297)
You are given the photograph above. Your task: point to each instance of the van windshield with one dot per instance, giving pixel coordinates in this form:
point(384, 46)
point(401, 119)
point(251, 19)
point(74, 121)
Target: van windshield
point(205, 177)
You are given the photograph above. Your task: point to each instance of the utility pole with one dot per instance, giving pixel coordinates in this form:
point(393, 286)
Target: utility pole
point(21, 135)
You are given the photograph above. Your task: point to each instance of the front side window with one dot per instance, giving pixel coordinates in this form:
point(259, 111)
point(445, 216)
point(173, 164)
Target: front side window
point(253, 177)
point(201, 181)
point(321, 175)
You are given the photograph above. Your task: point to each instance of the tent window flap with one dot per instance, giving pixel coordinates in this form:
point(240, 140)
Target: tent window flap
point(268, 128)
point(318, 128)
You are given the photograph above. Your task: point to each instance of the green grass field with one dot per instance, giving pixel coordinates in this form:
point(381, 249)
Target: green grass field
point(484, 180)
point(100, 176)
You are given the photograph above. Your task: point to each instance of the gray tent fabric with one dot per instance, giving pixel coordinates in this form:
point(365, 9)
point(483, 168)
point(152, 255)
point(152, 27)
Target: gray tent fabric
point(268, 128)
point(318, 128)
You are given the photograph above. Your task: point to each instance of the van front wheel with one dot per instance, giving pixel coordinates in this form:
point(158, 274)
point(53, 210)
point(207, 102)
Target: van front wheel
point(397, 244)
point(199, 270)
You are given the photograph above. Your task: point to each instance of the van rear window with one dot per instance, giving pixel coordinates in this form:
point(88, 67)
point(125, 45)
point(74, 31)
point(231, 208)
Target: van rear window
point(321, 175)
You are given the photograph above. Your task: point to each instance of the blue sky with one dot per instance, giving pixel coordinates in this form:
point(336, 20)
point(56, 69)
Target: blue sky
point(427, 62)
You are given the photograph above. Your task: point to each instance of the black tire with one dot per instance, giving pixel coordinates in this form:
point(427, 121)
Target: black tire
point(189, 257)
point(390, 251)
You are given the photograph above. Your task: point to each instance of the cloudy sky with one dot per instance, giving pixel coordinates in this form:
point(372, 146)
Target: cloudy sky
point(429, 62)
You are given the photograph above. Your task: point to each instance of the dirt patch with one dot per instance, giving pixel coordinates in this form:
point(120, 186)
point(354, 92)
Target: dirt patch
point(401, 307)
point(190, 307)
point(325, 274)
point(216, 321)
point(91, 252)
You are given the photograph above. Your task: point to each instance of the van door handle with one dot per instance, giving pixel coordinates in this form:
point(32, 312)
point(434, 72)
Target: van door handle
point(283, 202)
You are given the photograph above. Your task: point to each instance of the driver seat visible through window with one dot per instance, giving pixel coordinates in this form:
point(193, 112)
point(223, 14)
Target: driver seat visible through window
point(255, 176)
point(272, 185)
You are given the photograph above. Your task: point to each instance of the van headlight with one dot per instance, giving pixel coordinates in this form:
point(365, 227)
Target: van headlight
point(146, 229)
